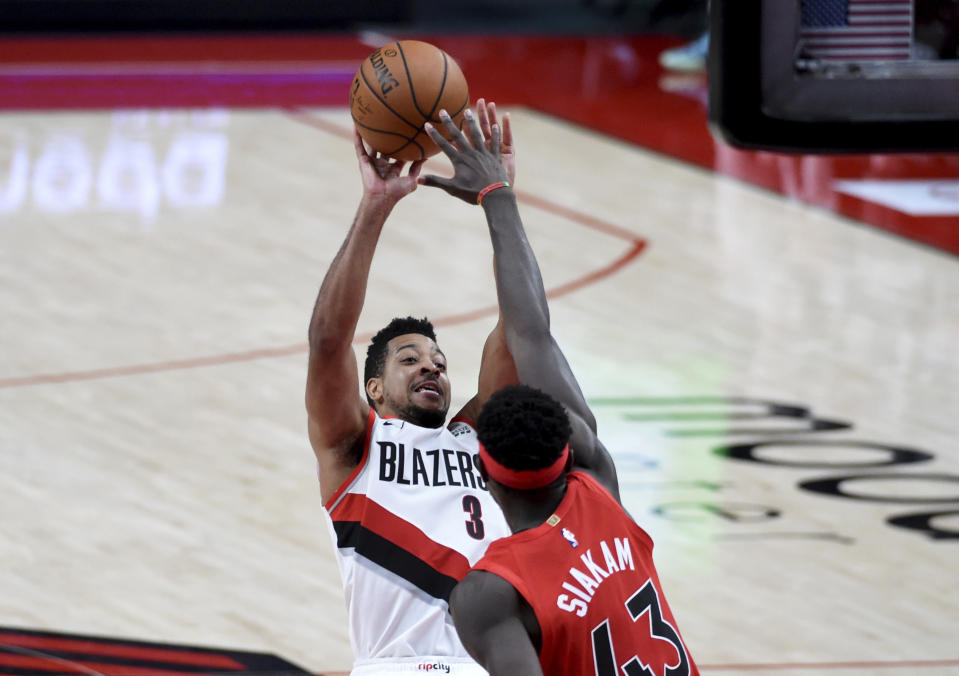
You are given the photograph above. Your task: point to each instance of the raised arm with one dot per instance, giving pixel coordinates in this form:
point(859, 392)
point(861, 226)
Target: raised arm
point(519, 285)
point(337, 413)
point(497, 369)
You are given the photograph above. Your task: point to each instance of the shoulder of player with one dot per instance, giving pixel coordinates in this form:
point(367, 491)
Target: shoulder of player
point(598, 464)
point(587, 477)
point(611, 504)
point(482, 597)
point(461, 426)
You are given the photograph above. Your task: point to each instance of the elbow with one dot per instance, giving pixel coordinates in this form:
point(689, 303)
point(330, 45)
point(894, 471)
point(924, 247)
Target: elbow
point(322, 340)
point(314, 336)
point(535, 333)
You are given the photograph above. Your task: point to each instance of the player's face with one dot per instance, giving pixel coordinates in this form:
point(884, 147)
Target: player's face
point(414, 386)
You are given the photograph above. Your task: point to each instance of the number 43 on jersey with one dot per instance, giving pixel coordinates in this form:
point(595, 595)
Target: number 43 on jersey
point(645, 600)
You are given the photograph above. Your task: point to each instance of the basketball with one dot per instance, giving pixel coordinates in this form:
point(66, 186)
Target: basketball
point(399, 87)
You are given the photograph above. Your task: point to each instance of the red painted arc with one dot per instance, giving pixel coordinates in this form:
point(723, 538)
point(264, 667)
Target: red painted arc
point(636, 246)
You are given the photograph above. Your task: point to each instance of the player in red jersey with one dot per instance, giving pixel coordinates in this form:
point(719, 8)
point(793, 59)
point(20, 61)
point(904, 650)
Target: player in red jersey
point(574, 589)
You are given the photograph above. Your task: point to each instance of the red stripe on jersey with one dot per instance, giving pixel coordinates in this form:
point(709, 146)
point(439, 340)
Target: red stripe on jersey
point(372, 516)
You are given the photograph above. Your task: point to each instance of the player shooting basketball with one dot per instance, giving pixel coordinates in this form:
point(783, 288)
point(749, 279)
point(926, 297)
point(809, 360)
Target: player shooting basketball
point(407, 507)
point(574, 590)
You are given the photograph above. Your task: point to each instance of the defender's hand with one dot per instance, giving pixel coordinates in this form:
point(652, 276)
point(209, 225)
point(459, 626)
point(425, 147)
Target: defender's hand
point(476, 160)
point(486, 111)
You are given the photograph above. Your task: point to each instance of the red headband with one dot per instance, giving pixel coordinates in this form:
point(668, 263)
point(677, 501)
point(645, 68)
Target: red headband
point(524, 479)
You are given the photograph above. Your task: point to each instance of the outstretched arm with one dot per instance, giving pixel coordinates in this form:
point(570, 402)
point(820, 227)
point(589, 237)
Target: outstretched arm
point(519, 285)
point(337, 413)
point(497, 369)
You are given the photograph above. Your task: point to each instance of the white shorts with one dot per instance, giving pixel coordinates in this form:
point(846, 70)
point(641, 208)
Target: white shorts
point(434, 666)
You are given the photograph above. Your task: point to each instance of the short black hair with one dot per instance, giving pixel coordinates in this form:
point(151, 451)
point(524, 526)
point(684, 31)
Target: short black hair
point(523, 428)
point(376, 352)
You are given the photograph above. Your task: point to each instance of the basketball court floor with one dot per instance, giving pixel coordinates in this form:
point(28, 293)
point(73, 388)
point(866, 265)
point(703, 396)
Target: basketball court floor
point(770, 344)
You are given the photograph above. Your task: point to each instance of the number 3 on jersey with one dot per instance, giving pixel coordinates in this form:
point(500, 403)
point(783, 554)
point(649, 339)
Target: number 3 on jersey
point(474, 527)
point(604, 655)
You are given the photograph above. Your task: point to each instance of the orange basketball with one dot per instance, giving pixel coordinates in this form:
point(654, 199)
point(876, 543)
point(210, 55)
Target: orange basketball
point(399, 87)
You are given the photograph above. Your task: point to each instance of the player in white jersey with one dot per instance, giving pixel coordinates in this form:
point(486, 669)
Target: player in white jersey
point(405, 506)
point(409, 524)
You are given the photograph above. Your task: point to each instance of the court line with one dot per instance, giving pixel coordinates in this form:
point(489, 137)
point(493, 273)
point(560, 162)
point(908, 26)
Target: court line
point(637, 246)
point(300, 348)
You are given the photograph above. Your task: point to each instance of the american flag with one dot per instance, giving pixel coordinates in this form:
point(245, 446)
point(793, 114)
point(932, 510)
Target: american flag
point(856, 30)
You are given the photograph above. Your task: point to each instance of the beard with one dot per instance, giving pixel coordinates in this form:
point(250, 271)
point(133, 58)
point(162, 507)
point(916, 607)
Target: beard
point(417, 415)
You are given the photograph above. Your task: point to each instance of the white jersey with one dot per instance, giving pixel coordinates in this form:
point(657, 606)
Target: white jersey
point(408, 524)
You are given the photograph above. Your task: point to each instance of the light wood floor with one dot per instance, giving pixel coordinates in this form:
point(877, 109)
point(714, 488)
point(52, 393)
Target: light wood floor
point(157, 272)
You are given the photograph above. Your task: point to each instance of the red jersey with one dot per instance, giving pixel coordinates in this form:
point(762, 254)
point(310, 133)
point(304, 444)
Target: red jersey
point(588, 574)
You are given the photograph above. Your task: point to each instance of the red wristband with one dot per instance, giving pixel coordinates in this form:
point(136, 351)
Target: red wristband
point(490, 188)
